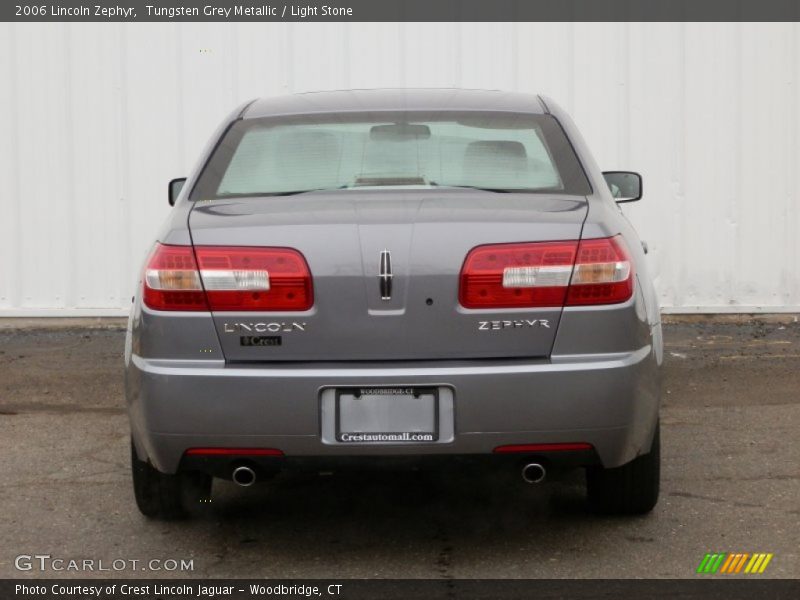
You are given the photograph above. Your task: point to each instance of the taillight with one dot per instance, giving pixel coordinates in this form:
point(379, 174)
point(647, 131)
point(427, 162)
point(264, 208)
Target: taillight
point(223, 278)
point(252, 278)
point(517, 275)
point(538, 274)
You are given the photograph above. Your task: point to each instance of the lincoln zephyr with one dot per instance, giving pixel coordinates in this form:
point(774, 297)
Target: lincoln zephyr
point(371, 276)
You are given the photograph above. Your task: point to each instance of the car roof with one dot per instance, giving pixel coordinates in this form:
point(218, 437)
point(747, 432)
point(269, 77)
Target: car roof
point(392, 100)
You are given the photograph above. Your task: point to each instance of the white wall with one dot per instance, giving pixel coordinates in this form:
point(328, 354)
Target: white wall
point(96, 118)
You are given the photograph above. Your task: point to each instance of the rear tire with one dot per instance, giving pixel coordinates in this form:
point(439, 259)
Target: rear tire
point(166, 497)
point(631, 489)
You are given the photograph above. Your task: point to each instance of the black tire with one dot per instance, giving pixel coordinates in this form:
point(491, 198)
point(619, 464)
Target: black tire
point(166, 497)
point(631, 489)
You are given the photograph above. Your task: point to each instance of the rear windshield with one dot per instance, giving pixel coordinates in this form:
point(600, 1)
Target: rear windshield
point(495, 151)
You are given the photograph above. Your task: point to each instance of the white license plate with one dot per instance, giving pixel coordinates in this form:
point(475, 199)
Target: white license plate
point(387, 414)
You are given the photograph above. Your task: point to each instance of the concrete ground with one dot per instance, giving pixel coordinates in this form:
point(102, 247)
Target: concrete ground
point(731, 480)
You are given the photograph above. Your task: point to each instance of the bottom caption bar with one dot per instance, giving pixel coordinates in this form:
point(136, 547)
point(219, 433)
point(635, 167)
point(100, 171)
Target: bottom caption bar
point(388, 589)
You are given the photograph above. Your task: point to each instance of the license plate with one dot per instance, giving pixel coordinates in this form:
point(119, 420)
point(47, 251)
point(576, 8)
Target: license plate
point(387, 415)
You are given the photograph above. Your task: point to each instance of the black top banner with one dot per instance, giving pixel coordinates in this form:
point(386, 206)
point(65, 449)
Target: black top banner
point(400, 10)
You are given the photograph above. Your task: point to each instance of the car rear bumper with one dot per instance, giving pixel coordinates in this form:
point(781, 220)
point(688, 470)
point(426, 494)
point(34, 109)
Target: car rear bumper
point(607, 400)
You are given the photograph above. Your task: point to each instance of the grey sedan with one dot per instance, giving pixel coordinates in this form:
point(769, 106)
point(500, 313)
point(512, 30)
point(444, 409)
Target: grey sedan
point(385, 276)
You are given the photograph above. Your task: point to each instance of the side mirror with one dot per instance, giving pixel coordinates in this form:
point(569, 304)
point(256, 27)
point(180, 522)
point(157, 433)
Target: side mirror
point(625, 186)
point(175, 187)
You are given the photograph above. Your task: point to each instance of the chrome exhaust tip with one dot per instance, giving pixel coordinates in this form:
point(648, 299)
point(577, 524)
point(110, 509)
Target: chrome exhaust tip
point(243, 476)
point(533, 473)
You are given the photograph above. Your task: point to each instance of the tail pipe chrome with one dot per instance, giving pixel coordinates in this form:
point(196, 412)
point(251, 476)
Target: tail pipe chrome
point(534, 473)
point(243, 476)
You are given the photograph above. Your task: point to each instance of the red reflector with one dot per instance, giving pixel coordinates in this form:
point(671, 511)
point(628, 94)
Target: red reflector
point(234, 452)
point(532, 448)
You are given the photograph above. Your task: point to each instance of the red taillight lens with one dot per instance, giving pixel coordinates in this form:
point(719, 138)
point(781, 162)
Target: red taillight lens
point(517, 275)
point(172, 281)
point(538, 274)
point(251, 278)
point(225, 278)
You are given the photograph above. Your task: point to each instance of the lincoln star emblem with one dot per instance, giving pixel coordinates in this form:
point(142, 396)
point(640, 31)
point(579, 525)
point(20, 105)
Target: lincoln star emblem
point(385, 275)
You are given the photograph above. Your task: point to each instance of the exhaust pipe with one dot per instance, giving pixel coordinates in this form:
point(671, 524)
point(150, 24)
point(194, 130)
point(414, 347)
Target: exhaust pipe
point(533, 473)
point(243, 476)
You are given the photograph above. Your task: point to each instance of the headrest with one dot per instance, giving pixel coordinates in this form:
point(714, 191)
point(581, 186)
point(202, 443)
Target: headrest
point(315, 146)
point(308, 159)
point(495, 163)
point(496, 151)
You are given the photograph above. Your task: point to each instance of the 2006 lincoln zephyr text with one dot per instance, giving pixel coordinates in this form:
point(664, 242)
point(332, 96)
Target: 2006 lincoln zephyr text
point(395, 274)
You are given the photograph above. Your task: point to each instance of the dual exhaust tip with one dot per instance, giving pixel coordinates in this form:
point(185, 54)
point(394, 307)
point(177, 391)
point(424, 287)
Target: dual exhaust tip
point(245, 476)
point(534, 473)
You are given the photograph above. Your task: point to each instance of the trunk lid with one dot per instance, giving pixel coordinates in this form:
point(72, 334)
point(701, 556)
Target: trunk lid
point(427, 234)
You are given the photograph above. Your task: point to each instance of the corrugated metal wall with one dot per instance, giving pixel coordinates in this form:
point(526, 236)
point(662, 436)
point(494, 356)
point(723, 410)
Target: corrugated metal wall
point(95, 119)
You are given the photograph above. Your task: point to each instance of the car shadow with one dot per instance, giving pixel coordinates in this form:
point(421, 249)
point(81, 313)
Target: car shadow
point(352, 508)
